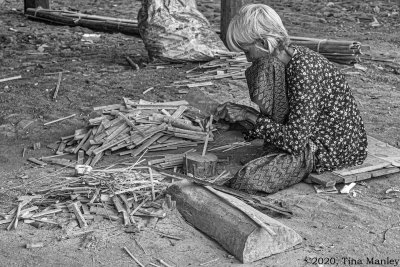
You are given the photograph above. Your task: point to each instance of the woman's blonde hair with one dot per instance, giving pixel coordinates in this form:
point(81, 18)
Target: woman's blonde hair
point(256, 22)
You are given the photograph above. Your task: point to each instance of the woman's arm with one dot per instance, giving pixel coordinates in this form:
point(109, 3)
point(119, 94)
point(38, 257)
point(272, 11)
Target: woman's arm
point(304, 108)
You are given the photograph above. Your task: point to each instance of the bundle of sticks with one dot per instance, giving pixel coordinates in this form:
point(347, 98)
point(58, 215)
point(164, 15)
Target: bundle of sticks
point(133, 128)
point(94, 22)
point(342, 52)
point(124, 193)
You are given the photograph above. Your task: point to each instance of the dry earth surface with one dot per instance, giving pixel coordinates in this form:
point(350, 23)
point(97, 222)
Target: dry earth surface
point(336, 227)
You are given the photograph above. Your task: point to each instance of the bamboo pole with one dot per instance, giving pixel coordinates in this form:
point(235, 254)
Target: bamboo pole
point(60, 119)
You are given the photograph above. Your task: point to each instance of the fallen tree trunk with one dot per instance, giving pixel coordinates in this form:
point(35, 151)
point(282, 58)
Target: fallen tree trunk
point(231, 227)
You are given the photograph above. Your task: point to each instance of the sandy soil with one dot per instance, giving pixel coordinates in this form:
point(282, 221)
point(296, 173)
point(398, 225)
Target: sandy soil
point(348, 230)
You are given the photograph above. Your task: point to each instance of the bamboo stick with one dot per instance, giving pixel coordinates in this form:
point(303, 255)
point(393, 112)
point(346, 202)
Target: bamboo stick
point(10, 78)
point(108, 107)
point(152, 184)
point(60, 119)
point(205, 145)
point(58, 86)
point(140, 149)
point(133, 257)
point(84, 139)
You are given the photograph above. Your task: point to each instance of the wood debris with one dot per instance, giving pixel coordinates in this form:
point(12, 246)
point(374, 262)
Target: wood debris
point(60, 119)
point(132, 128)
point(10, 78)
point(126, 194)
point(57, 86)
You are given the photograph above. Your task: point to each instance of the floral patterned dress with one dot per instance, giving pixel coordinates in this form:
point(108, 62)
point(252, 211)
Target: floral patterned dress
point(323, 118)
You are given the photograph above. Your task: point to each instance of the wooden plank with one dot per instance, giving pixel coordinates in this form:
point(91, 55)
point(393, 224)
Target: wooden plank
point(80, 157)
point(123, 128)
point(193, 137)
point(384, 151)
point(45, 212)
point(61, 147)
point(380, 155)
point(38, 162)
point(326, 179)
point(184, 131)
point(61, 162)
point(84, 139)
point(130, 123)
point(148, 143)
point(96, 159)
point(79, 216)
point(385, 171)
point(118, 204)
point(179, 112)
point(329, 179)
point(357, 177)
point(109, 145)
point(371, 163)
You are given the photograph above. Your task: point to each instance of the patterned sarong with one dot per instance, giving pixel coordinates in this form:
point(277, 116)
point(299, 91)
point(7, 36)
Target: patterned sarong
point(273, 172)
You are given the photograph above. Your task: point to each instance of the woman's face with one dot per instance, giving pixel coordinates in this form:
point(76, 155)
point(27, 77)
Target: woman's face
point(255, 51)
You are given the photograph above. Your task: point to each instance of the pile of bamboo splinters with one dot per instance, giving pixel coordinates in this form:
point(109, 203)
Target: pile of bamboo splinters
point(131, 194)
point(133, 128)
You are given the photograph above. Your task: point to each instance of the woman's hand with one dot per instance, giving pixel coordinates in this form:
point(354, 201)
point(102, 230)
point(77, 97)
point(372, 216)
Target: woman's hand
point(231, 112)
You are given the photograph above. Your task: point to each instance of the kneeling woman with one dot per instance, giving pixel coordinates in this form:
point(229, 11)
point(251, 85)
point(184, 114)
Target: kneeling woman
point(308, 116)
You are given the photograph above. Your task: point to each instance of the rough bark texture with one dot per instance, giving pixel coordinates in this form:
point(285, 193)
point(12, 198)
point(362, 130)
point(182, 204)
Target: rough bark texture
point(229, 226)
point(201, 166)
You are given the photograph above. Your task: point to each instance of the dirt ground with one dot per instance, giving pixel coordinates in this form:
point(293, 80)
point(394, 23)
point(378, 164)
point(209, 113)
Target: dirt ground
point(345, 229)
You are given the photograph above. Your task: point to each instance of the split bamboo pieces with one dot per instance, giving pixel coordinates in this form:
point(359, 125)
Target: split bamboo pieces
point(170, 160)
point(231, 146)
point(87, 198)
point(19, 213)
point(131, 128)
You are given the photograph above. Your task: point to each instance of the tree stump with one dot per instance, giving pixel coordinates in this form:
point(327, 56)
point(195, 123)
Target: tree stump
point(229, 226)
point(200, 166)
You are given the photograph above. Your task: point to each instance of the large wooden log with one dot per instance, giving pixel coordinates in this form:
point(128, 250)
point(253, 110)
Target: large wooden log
point(231, 227)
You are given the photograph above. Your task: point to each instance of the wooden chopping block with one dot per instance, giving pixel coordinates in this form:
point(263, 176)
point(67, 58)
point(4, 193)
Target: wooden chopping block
point(231, 227)
point(200, 166)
